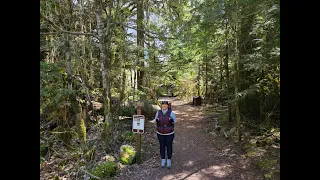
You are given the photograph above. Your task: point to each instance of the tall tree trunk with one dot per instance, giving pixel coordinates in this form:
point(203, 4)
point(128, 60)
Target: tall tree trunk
point(80, 127)
point(91, 79)
point(104, 49)
point(134, 80)
point(236, 68)
point(262, 115)
point(206, 76)
point(83, 66)
point(109, 64)
point(226, 61)
point(103, 58)
point(221, 73)
point(123, 76)
point(245, 42)
point(140, 42)
point(245, 47)
point(199, 80)
point(131, 77)
point(123, 85)
point(68, 60)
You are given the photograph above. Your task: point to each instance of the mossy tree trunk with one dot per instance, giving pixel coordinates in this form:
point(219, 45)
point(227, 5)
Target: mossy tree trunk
point(80, 126)
point(104, 36)
point(140, 43)
point(103, 47)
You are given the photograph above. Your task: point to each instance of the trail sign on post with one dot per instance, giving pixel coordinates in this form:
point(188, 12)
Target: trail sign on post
point(138, 128)
point(138, 124)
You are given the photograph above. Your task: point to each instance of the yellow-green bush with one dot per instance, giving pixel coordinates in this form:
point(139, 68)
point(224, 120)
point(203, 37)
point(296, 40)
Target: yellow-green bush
point(127, 154)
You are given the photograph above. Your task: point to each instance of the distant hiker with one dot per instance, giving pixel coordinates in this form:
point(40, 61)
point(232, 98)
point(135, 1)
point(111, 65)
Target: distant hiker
point(165, 120)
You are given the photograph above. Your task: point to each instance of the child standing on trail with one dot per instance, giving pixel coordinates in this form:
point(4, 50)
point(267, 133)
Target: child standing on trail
point(165, 120)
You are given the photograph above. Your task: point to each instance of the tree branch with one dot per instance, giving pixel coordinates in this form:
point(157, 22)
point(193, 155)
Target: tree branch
point(68, 32)
point(145, 31)
point(59, 30)
point(48, 33)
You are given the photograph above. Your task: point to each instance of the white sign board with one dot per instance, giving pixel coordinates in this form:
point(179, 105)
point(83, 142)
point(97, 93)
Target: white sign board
point(138, 124)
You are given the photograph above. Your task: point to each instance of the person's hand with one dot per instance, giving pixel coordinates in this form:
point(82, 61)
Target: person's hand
point(171, 120)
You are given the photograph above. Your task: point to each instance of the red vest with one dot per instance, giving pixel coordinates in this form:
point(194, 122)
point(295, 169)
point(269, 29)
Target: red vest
point(164, 125)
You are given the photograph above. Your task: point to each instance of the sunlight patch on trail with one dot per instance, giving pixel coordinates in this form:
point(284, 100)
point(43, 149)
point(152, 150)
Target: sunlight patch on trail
point(203, 173)
point(189, 163)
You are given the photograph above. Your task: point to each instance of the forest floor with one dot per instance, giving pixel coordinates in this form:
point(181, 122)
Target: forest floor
point(197, 154)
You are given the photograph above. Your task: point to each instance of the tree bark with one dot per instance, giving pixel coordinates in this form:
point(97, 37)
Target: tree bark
point(134, 80)
point(262, 115)
point(221, 74)
point(123, 76)
point(103, 47)
point(206, 76)
point(236, 67)
point(199, 80)
point(140, 42)
point(226, 61)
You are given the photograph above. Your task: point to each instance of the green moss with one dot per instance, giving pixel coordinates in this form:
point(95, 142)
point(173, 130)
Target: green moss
point(106, 106)
point(105, 135)
point(81, 130)
point(105, 170)
point(127, 154)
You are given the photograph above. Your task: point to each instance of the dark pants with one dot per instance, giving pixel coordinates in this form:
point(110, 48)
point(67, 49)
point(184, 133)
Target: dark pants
point(165, 141)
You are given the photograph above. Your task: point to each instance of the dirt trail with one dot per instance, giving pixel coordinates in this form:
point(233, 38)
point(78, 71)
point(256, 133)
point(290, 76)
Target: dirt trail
point(196, 153)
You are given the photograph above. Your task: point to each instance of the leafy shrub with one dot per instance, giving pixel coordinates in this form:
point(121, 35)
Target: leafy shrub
point(127, 154)
point(127, 136)
point(105, 169)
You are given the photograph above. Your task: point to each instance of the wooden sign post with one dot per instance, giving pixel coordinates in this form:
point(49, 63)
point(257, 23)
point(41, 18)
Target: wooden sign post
point(138, 128)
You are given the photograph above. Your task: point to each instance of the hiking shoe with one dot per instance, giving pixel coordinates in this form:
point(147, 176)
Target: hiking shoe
point(163, 162)
point(169, 163)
